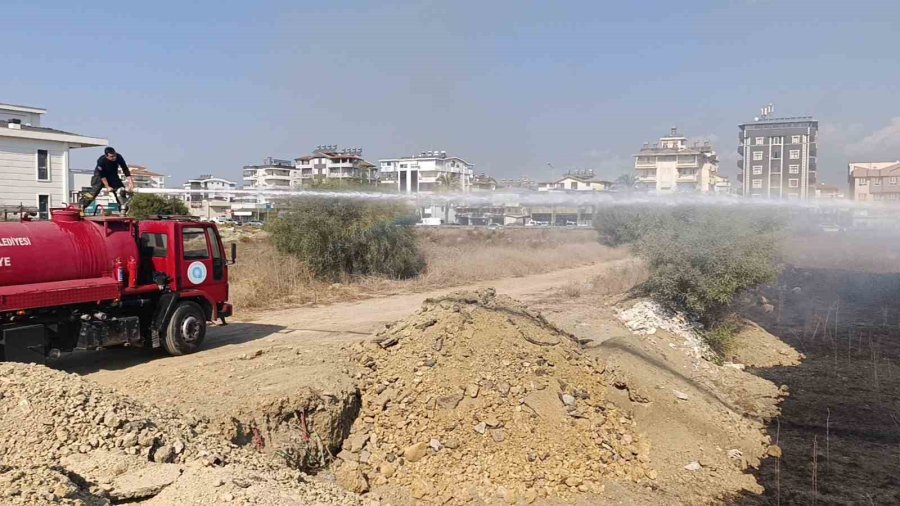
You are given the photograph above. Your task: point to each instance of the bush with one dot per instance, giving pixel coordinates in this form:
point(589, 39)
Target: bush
point(144, 205)
point(626, 224)
point(339, 237)
point(700, 257)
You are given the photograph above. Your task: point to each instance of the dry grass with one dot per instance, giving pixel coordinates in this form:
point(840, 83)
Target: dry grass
point(616, 278)
point(264, 278)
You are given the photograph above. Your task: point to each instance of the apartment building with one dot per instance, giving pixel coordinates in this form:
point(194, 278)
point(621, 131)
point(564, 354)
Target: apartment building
point(671, 165)
point(778, 156)
point(577, 181)
point(272, 174)
point(34, 161)
point(428, 171)
point(209, 196)
point(329, 162)
point(874, 180)
point(146, 178)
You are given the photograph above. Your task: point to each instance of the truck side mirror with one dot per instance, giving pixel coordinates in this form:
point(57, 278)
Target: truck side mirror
point(233, 252)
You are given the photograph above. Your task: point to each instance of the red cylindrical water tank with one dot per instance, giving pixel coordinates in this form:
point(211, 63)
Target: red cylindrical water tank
point(64, 249)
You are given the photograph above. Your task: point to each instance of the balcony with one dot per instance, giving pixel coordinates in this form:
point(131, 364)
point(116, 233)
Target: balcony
point(740, 164)
point(812, 149)
point(644, 165)
point(741, 150)
point(687, 178)
point(273, 177)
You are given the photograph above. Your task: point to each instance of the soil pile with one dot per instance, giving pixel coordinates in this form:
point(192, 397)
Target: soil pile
point(477, 397)
point(67, 440)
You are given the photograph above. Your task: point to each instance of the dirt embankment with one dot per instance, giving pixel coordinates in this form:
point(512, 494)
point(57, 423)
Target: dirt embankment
point(67, 440)
point(478, 398)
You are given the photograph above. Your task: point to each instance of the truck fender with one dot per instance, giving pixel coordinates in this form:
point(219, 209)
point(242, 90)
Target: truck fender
point(161, 317)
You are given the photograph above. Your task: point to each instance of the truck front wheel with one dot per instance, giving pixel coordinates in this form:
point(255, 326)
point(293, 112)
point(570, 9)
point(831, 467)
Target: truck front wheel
point(186, 329)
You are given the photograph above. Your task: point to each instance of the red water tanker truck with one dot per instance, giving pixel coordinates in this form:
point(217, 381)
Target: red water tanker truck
point(74, 283)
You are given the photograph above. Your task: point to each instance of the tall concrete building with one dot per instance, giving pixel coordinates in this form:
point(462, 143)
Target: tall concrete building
point(778, 156)
point(671, 165)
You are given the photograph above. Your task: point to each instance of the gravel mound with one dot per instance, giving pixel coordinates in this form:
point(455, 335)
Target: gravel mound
point(66, 439)
point(476, 397)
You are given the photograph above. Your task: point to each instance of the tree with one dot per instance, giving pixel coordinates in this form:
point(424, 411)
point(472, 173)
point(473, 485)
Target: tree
point(449, 182)
point(144, 205)
point(627, 181)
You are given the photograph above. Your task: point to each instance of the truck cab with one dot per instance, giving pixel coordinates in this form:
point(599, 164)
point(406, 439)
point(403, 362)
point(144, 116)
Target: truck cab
point(75, 283)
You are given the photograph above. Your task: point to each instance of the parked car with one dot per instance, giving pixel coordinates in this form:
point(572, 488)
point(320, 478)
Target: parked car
point(253, 223)
point(222, 220)
point(495, 226)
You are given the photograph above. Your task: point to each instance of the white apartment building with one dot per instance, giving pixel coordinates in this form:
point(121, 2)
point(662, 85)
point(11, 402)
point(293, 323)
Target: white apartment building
point(272, 174)
point(210, 196)
point(671, 165)
point(427, 172)
point(329, 162)
point(579, 181)
point(34, 161)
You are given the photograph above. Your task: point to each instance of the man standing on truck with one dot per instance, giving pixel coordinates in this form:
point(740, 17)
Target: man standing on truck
point(106, 175)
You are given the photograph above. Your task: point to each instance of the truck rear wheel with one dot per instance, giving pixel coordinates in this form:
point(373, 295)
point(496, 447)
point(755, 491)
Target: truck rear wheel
point(186, 329)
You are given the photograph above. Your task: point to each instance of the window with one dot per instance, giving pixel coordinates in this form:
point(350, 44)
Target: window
point(759, 141)
point(775, 140)
point(893, 180)
point(757, 170)
point(776, 154)
point(195, 247)
point(574, 185)
point(44, 207)
point(757, 183)
point(862, 181)
point(218, 257)
point(876, 181)
point(793, 183)
point(757, 155)
point(795, 139)
point(793, 169)
point(43, 165)
point(155, 245)
point(795, 154)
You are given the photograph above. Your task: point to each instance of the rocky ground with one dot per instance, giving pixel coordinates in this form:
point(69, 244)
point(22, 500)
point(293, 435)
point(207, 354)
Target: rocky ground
point(68, 440)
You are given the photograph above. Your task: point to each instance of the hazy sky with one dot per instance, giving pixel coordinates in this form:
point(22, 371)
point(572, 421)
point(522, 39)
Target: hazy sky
point(195, 87)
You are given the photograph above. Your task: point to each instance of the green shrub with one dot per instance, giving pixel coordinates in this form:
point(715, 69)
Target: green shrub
point(340, 237)
point(720, 337)
point(144, 205)
point(625, 224)
point(700, 257)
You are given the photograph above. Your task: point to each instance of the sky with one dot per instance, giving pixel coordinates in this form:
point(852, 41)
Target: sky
point(519, 88)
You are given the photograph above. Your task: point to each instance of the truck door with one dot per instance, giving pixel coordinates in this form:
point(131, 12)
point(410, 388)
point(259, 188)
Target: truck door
point(204, 262)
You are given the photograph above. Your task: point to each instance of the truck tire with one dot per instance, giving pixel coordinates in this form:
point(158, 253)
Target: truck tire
point(186, 329)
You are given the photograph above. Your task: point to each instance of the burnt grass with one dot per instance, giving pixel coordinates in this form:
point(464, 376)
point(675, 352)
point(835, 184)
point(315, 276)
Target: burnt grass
point(839, 430)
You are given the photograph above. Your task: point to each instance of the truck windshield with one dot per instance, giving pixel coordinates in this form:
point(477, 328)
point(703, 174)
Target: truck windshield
point(195, 246)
